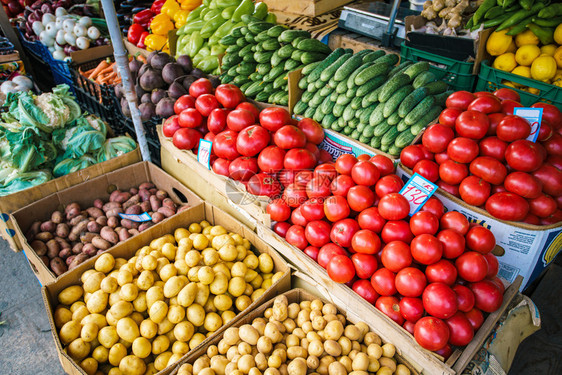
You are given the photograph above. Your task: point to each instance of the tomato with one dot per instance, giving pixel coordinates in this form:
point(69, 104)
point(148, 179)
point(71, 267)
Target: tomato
point(551, 113)
point(312, 252)
point(313, 149)
point(341, 185)
point(426, 249)
point(441, 157)
point(327, 252)
point(289, 137)
point(462, 150)
point(365, 265)
point(559, 201)
point(239, 119)
point(452, 172)
point(542, 206)
point(336, 208)
point(229, 96)
point(186, 139)
point(343, 231)
point(249, 107)
point(553, 145)
point(439, 300)
point(299, 159)
point(486, 104)
point(325, 157)
point(365, 290)
point(383, 164)
point(493, 147)
point(371, 219)
point(396, 255)
point(295, 236)
point(383, 282)
point(487, 295)
point(555, 161)
point(451, 189)
point(190, 118)
point(344, 163)
point(242, 168)
point(480, 239)
point(498, 189)
point(495, 119)
point(365, 241)
point(448, 116)
point(265, 185)
point(508, 106)
point(317, 233)
point(475, 318)
point(270, 159)
point(170, 126)
point(442, 271)
point(312, 129)
point(216, 122)
point(410, 282)
point(205, 104)
point(363, 157)
point(424, 222)
point(523, 184)
point(390, 307)
point(436, 137)
point(411, 155)
point(460, 100)
point(428, 155)
point(360, 197)
point(497, 281)
point(512, 128)
point(408, 326)
point(411, 308)
point(456, 221)
point(474, 190)
point(200, 87)
point(507, 206)
point(472, 124)
point(398, 230)
point(274, 118)
point(312, 209)
point(294, 195)
point(505, 93)
point(303, 177)
point(461, 332)
point(220, 166)
point(184, 102)
point(472, 266)
point(224, 145)
point(364, 173)
point(489, 169)
point(545, 131)
point(252, 140)
point(465, 298)
point(431, 333)
point(388, 184)
point(326, 171)
point(428, 169)
point(278, 210)
point(281, 228)
point(317, 188)
point(434, 206)
point(551, 178)
point(524, 155)
point(531, 219)
point(552, 219)
point(493, 265)
point(445, 352)
point(393, 206)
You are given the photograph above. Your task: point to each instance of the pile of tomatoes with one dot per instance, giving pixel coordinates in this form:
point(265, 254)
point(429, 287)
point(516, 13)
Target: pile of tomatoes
point(479, 152)
point(260, 149)
point(433, 273)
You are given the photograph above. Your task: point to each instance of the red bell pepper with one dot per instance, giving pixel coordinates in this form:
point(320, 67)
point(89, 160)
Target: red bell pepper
point(143, 36)
point(144, 17)
point(157, 6)
point(134, 33)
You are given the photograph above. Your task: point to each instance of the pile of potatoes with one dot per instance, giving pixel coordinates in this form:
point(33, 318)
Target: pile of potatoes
point(72, 236)
point(139, 316)
point(298, 339)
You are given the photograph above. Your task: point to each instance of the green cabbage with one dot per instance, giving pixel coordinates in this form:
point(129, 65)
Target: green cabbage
point(71, 165)
point(80, 138)
point(114, 147)
point(13, 180)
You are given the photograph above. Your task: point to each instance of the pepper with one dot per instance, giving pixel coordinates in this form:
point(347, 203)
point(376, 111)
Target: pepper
point(227, 3)
point(212, 25)
point(190, 27)
point(156, 7)
point(155, 42)
point(170, 8)
point(260, 10)
point(181, 44)
point(545, 34)
point(519, 16)
point(245, 7)
point(143, 36)
point(180, 17)
point(143, 18)
point(482, 9)
point(194, 15)
point(208, 64)
point(195, 43)
point(189, 4)
point(161, 24)
point(134, 33)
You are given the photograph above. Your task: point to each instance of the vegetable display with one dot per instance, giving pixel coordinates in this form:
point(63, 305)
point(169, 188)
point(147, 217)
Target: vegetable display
point(350, 218)
point(450, 12)
point(368, 98)
point(165, 300)
point(15, 84)
point(480, 153)
point(296, 338)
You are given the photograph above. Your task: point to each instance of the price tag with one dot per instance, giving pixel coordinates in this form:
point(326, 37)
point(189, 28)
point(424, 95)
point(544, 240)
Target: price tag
point(417, 191)
point(137, 218)
point(204, 152)
point(534, 116)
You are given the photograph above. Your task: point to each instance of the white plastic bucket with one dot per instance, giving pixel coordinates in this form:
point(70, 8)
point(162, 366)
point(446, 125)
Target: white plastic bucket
point(417, 5)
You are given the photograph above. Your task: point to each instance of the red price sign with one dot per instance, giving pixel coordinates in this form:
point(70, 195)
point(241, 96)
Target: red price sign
point(417, 191)
point(204, 152)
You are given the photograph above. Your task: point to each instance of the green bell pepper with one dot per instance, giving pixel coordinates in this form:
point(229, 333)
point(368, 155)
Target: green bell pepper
point(228, 3)
point(261, 10)
point(195, 43)
point(245, 7)
point(190, 27)
point(212, 25)
point(211, 14)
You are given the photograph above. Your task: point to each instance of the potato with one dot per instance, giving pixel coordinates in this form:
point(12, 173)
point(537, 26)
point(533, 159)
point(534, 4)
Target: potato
point(186, 296)
point(69, 332)
point(153, 294)
point(116, 353)
point(297, 367)
point(107, 336)
point(212, 322)
point(236, 286)
point(173, 286)
point(104, 263)
point(202, 294)
point(93, 282)
point(196, 314)
point(70, 294)
point(78, 349)
point(121, 309)
point(388, 350)
point(183, 331)
point(402, 370)
point(89, 332)
point(333, 330)
point(98, 319)
point(158, 311)
point(62, 315)
point(160, 345)
point(100, 354)
point(97, 302)
point(249, 334)
point(127, 329)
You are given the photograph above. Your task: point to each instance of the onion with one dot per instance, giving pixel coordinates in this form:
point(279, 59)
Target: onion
point(68, 25)
point(60, 37)
point(59, 55)
point(47, 19)
point(82, 42)
point(51, 29)
point(37, 27)
point(93, 33)
point(70, 38)
point(60, 12)
point(80, 30)
point(7, 87)
point(23, 81)
point(85, 21)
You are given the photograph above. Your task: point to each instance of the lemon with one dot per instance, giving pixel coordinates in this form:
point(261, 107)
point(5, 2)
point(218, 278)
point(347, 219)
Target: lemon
point(557, 83)
point(512, 47)
point(505, 62)
point(543, 68)
point(509, 84)
point(533, 90)
point(526, 54)
point(523, 71)
point(549, 49)
point(526, 37)
point(558, 34)
point(558, 57)
point(498, 43)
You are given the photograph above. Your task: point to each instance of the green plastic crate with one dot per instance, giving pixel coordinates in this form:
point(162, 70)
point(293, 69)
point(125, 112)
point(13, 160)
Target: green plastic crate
point(457, 74)
point(491, 79)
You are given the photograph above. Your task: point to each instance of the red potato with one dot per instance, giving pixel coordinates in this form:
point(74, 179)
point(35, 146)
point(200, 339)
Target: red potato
point(77, 249)
point(134, 210)
point(72, 210)
point(89, 249)
point(114, 212)
point(65, 253)
point(77, 230)
point(57, 217)
point(126, 223)
point(63, 243)
point(146, 185)
point(133, 232)
point(111, 205)
point(161, 194)
point(87, 237)
point(133, 191)
point(123, 234)
point(53, 248)
point(93, 227)
point(62, 230)
point(33, 230)
point(135, 199)
point(157, 217)
point(100, 243)
point(144, 195)
point(78, 259)
point(44, 236)
point(145, 225)
point(145, 206)
point(98, 203)
point(155, 203)
point(77, 220)
point(94, 212)
point(112, 222)
point(168, 202)
point(109, 235)
point(39, 247)
point(166, 211)
point(48, 226)
point(58, 266)
point(102, 220)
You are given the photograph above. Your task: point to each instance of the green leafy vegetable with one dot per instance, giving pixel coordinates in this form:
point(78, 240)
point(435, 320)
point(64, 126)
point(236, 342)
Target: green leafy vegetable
point(13, 180)
point(71, 165)
point(114, 147)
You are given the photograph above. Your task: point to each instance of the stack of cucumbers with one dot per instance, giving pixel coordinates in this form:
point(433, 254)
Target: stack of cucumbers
point(259, 57)
point(371, 99)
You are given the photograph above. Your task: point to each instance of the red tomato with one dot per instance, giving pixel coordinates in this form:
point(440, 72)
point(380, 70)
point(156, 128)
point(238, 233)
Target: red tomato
point(343, 231)
point(552, 219)
point(545, 131)
point(448, 116)
point(325, 157)
point(364, 173)
point(295, 236)
point(289, 137)
point(489, 169)
point(216, 122)
point(326, 171)
point(408, 326)
point(299, 159)
point(460, 100)
point(551, 113)
point(426, 249)
point(383, 164)
point(274, 118)
point(200, 87)
point(465, 298)
point(312, 209)
point(318, 188)
point(472, 266)
point(452, 172)
point(303, 177)
point(431, 333)
point(390, 307)
point(327, 252)
point(505, 93)
point(265, 185)
point(242, 168)
point(434, 206)
point(224, 145)
point(493, 265)
point(462, 150)
point(509, 105)
point(480, 239)
point(383, 282)
point(371, 219)
point(474, 190)
point(441, 157)
point(523, 184)
point(220, 166)
point(472, 124)
point(498, 189)
point(411, 155)
point(388, 184)
point(229, 96)
point(396, 255)
point(360, 197)
point(507, 206)
point(270, 159)
point(186, 139)
point(475, 318)
point(486, 104)
point(281, 228)
point(365, 265)
point(555, 161)
point(424, 222)
point(442, 271)
point(317, 233)
point(512, 128)
point(411, 308)
point(553, 145)
point(487, 295)
point(336, 208)
point(286, 177)
point(461, 332)
point(278, 210)
point(239, 119)
point(190, 118)
point(184, 102)
point(365, 290)
point(542, 206)
point(456, 221)
point(494, 119)
point(493, 147)
point(497, 281)
point(524, 155)
point(531, 219)
point(294, 195)
point(439, 300)
point(313, 131)
point(170, 126)
point(436, 137)
point(206, 103)
point(363, 157)
point(344, 163)
point(313, 149)
point(393, 206)
point(551, 178)
point(341, 185)
point(252, 140)
point(410, 282)
point(398, 230)
point(451, 189)
point(312, 252)
point(249, 107)
point(428, 169)
point(366, 241)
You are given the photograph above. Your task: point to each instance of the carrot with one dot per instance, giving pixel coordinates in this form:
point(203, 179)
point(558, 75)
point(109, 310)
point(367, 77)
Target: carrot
point(142, 58)
point(106, 70)
point(102, 65)
point(108, 78)
point(87, 72)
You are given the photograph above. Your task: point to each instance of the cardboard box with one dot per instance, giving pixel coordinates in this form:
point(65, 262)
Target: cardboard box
point(15, 201)
point(127, 250)
point(85, 194)
point(305, 7)
point(522, 249)
point(344, 39)
point(425, 361)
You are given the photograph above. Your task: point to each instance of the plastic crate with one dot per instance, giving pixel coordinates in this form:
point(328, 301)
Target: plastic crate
point(36, 48)
point(491, 79)
point(457, 74)
point(122, 125)
point(8, 47)
point(91, 105)
point(103, 94)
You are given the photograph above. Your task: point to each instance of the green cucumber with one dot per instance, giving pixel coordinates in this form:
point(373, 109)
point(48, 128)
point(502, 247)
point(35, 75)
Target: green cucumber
point(423, 79)
point(437, 87)
point(419, 110)
point(392, 85)
point(329, 71)
point(371, 85)
point(374, 70)
point(411, 101)
point(392, 104)
point(314, 75)
point(377, 115)
point(404, 139)
point(416, 69)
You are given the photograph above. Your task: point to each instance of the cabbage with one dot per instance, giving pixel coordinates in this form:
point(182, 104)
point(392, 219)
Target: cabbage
point(71, 165)
point(114, 147)
point(13, 180)
point(79, 139)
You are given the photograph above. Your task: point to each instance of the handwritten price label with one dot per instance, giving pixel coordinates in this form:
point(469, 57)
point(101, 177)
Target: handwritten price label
point(417, 191)
point(204, 152)
point(534, 116)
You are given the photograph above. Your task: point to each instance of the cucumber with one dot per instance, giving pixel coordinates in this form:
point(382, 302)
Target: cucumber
point(356, 103)
point(404, 139)
point(255, 76)
point(392, 104)
point(377, 115)
point(274, 73)
point(359, 111)
point(240, 80)
point(326, 91)
point(233, 49)
point(437, 87)
point(390, 59)
point(258, 27)
point(229, 40)
point(327, 105)
point(283, 99)
point(306, 96)
point(254, 89)
point(280, 81)
point(348, 67)
point(275, 31)
point(291, 64)
point(425, 120)
point(270, 45)
point(423, 79)
point(389, 137)
point(371, 72)
point(309, 68)
point(311, 87)
point(373, 55)
point(233, 71)
point(263, 57)
point(288, 36)
point(300, 107)
point(394, 151)
point(366, 114)
point(318, 115)
point(338, 126)
point(399, 68)
point(369, 131)
point(364, 139)
point(350, 82)
point(343, 99)
point(370, 86)
point(245, 86)
point(286, 51)
point(375, 142)
point(334, 96)
point(385, 147)
point(316, 100)
point(250, 57)
point(382, 128)
point(440, 99)
point(276, 59)
point(348, 113)
point(245, 50)
point(303, 83)
point(338, 110)
point(392, 85)
point(341, 87)
point(329, 71)
point(419, 110)
point(262, 37)
point(416, 69)
point(310, 57)
point(309, 112)
point(361, 126)
point(355, 135)
point(314, 75)
point(411, 101)
point(297, 40)
point(246, 69)
point(401, 126)
point(314, 45)
point(353, 123)
point(263, 69)
point(328, 120)
point(262, 96)
point(296, 55)
point(352, 93)
point(394, 119)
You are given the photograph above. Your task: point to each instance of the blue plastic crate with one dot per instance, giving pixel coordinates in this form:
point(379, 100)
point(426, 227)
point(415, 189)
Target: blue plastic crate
point(36, 48)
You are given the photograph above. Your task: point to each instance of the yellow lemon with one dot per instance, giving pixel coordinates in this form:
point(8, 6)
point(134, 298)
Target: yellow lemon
point(533, 90)
point(549, 49)
point(558, 34)
point(558, 75)
point(543, 68)
point(526, 37)
point(512, 47)
point(523, 71)
point(509, 84)
point(557, 83)
point(558, 57)
point(505, 62)
point(526, 54)
point(498, 42)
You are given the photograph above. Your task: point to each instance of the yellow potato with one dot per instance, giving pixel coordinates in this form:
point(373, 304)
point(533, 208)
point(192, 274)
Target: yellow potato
point(78, 349)
point(132, 365)
point(145, 280)
point(97, 302)
point(141, 347)
point(80, 313)
point(205, 275)
point(176, 314)
point(97, 319)
point(202, 294)
point(212, 322)
point(127, 329)
point(181, 266)
point(265, 263)
point(222, 302)
point(69, 331)
point(100, 354)
point(169, 251)
point(93, 282)
point(104, 263)
point(227, 316)
point(62, 316)
point(186, 296)
point(121, 309)
point(192, 258)
point(89, 332)
point(109, 284)
point(196, 314)
point(243, 302)
point(140, 302)
point(125, 276)
point(160, 345)
point(180, 347)
point(183, 331)
point(158, 311)
point(200, 241)
point(129, 292)
point(155, 293)
point(219, 284)
point(165, 326)
point(251, 261)
point(70, 295)
point(173, 286)
point(236, 286)
point(167, 271)
point(148, 328)
point(210, 257)
point(162, 360)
